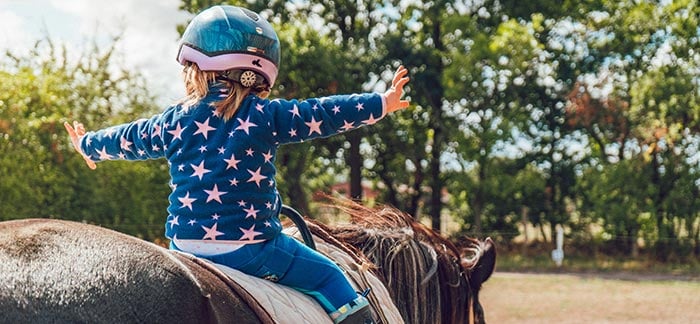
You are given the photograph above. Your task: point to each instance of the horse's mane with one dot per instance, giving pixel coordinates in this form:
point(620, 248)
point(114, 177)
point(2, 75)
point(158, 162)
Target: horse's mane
point(416, 263)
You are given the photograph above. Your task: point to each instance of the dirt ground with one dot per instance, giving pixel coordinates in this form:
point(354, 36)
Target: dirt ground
point(559, 298)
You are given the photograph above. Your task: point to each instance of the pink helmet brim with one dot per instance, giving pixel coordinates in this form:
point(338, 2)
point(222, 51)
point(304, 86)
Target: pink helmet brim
point(230, 61)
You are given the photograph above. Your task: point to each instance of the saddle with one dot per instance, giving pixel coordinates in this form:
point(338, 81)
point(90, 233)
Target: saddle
point(275, 303)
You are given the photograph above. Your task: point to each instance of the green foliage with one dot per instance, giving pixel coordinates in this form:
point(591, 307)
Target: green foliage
point(580, 113)
point(617, 203)
point(42, 176)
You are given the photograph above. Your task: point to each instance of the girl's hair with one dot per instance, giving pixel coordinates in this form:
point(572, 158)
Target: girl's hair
point(197, 86)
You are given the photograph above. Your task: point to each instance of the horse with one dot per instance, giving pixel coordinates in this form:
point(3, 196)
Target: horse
point(429, 278)
point(65, 271)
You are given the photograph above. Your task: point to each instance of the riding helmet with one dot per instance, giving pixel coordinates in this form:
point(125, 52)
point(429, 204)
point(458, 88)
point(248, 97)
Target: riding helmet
point(235, 41)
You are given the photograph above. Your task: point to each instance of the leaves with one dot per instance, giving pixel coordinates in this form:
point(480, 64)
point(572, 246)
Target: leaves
point(42, 175)
point(570, 112)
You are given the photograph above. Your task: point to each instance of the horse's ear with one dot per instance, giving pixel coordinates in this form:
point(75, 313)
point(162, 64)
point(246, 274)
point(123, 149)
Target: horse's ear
point(485, 265)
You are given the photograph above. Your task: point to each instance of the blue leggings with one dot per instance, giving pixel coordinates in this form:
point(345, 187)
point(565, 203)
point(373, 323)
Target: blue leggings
point(285, 260)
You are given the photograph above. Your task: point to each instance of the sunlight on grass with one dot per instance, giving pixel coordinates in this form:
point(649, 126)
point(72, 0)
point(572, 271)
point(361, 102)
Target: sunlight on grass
point(512, 262)
point(563, 298)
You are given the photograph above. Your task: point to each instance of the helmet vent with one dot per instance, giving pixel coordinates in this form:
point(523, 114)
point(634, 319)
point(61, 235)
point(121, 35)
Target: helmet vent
point(250, 14)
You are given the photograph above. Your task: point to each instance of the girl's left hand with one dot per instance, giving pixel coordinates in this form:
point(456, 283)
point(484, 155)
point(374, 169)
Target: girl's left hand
point(394, 94)
point(75, 135)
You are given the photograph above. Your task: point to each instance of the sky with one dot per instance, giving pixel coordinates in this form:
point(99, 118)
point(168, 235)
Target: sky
point(148, 27)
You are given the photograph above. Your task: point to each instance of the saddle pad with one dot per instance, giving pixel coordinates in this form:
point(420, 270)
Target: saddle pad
point(287, 305)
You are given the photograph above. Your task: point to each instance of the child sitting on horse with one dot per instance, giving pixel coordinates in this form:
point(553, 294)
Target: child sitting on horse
point(220, 142)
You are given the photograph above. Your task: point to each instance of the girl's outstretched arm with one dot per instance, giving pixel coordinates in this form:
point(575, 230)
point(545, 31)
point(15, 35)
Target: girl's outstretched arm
point(393, 95)
point(76, 132)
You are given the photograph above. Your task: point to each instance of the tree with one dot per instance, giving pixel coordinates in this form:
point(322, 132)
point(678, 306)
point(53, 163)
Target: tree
point(638, 105)
point(42, 174)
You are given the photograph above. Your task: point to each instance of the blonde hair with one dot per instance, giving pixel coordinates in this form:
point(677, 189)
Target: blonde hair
point(197, 87)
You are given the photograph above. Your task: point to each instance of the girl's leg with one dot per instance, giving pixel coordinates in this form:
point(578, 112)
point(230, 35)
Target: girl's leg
point(291, 263)
point(294, 264)
point(310, 272)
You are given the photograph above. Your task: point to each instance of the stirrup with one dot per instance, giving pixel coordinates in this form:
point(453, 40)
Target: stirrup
point(357, 311)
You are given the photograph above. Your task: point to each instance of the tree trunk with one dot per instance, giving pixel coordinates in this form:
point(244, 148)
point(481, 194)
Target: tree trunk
point(479, 194)
point(355, 162)
point(435, 96)
point(661, 246)
point(412, 208)
point(435, 199)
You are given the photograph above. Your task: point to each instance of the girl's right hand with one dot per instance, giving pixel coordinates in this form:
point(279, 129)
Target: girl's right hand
point(393, 95)
point(75, 135)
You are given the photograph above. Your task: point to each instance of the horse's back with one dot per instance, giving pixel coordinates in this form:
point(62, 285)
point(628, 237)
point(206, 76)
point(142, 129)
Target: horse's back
point(60, 271)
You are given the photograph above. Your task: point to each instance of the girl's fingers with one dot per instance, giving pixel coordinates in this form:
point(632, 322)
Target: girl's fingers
point(89, 163)
point(75, 132)
point(79, 128)
point(402, 82)
point(70, 129)
point(399, 75)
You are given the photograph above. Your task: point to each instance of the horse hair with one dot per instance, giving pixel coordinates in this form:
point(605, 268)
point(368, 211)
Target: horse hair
point(395, 242)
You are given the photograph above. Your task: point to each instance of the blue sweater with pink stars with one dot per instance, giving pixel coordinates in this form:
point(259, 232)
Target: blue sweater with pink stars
point(223, 172)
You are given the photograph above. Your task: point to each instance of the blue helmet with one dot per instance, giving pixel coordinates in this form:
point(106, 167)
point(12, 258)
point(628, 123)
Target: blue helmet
point(232, 39)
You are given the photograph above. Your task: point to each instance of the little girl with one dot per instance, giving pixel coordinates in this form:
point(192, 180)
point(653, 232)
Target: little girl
point(220, 142)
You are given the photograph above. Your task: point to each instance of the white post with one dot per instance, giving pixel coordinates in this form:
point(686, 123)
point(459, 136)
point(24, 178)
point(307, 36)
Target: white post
point(558, 253)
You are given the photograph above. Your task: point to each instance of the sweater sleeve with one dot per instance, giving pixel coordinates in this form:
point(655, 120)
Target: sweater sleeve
point(138, 140)
point(297, 121)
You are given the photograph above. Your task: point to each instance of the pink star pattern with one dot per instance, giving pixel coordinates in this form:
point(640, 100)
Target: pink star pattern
point(245, 125)
point(232, 162)
point(249, 234)
point(103, 154)
point(156, 130)
point(177, 132)
point(203, 128)
point(124, 144)
point(174, 221)
point(295, 111)
point(251, 212)
point(215, 194)
point(371, 120)
point(211, 232)
point(268, 157)
point(347, 125)
point(222, 169)
point(314, 126)
point(256, 177)
point(187, 201)
point(199, 170)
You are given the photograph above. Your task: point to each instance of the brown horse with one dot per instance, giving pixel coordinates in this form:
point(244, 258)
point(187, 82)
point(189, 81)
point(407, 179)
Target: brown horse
point(428, 277)
point(61, 271)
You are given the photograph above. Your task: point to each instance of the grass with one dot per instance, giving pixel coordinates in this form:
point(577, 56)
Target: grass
point(564, 298)
point(528, 287)
point(604, 265)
